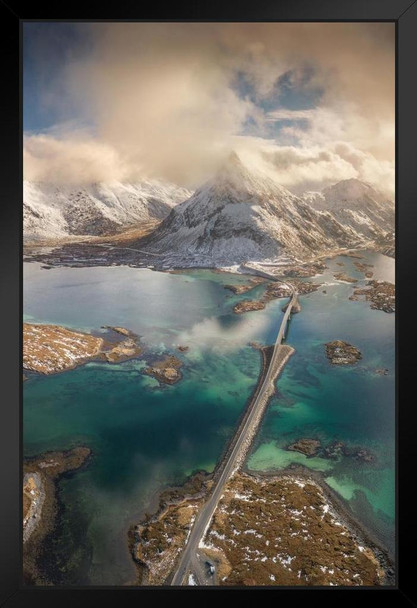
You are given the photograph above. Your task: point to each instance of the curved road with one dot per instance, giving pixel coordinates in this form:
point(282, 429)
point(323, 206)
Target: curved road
point(203, 519)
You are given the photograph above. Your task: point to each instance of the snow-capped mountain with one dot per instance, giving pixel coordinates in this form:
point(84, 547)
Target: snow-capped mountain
point(242, 215)
point(356, 205)
point(53, 211)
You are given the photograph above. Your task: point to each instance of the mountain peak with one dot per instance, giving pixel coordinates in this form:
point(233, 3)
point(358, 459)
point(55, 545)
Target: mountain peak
point(238, 180)
point(234, 159)
point(353, 190)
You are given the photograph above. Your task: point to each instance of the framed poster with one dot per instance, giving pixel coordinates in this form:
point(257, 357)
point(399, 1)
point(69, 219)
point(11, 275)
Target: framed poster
point(209, 239)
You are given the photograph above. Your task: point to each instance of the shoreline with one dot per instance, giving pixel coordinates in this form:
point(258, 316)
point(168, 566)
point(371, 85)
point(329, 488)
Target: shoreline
point(70, 254)
point(49, 468)
point(177, 495)
point(342, 507)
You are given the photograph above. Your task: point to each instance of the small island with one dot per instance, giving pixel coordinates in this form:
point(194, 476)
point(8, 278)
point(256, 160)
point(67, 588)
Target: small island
point(248, 305)
point(340, 352)
point(166, 370)
point(334, 450)
point(308, 447)
point(380, 294)
point(183, 349)
point(364, 268)
point(342, 276)
point(274, 291)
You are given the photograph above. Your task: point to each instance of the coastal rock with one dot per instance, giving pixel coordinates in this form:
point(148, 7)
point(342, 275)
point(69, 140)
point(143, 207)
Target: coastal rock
point(381, 294)
point(382, 372)
point(167, 370)
point(342, 353)
point(308, 447)
point(296, 307)
point(120, 330)
point(341, 276)
point(40, 476)
point(334, 450)
point(304, 270)
point(127, 349)
point(363, 267)
point(183, 349)
point(276, 291)
point(248, 305)
point(360, 454)
point(245, 287)
point(337, 449)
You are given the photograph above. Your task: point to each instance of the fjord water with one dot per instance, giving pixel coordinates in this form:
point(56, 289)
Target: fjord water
point(145, 437)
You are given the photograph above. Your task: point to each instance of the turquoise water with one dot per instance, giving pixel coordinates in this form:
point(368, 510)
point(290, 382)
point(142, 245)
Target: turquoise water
point(351, 404)
point(145, 437)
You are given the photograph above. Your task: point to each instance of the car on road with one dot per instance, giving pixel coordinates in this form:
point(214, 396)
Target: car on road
point(210, 568)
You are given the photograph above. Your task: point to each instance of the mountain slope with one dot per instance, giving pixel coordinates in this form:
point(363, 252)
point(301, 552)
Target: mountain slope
point(54, 211)
point(242, 215)
point(356, 205)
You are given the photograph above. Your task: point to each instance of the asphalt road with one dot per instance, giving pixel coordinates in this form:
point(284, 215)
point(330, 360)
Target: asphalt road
point(204, 517)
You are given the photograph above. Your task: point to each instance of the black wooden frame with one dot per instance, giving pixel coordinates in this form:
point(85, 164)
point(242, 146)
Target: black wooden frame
point(403, 13)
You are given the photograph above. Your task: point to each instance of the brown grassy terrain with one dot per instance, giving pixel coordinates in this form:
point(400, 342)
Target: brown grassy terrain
point(283, 531)
point(156, 543)
point(51, 348)
point(265, 531)
point(160, 542)
point(48, 349)
point(130, 235)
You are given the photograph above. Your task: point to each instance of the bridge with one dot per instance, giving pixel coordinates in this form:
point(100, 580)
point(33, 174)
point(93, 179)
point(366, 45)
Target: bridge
point(190, 561)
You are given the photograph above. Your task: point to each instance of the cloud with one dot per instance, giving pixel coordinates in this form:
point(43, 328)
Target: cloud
point(77, 158)
point(315, 167)
point(164, 101)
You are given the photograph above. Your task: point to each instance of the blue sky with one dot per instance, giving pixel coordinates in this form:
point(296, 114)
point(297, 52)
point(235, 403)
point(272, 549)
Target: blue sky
point(49, 48)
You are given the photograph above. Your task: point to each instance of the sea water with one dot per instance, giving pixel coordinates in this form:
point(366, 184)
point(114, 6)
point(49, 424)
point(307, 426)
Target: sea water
point(146, 437)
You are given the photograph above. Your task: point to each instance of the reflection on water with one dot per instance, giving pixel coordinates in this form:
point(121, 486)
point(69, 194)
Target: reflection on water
point(145, 436)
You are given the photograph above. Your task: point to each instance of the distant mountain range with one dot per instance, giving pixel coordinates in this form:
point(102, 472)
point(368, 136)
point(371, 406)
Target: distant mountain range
point(242, 215)
point(52, 211)
point(239, 215)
